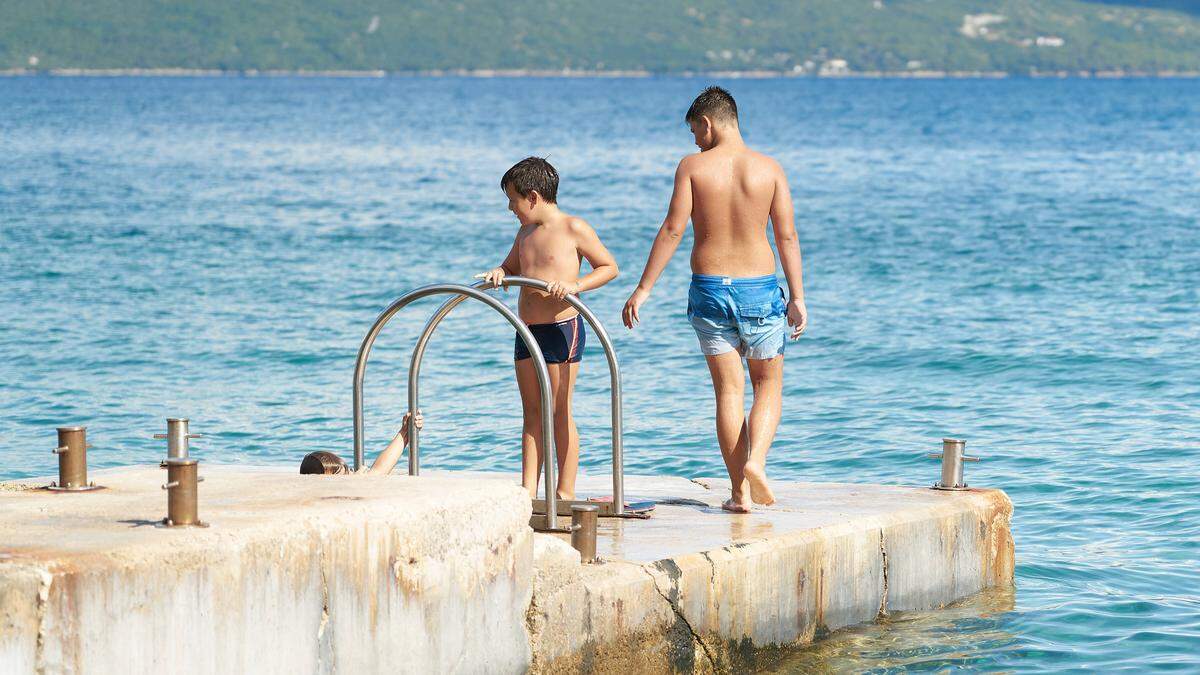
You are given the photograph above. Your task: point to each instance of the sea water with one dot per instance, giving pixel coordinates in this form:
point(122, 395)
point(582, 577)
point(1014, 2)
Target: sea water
point(1010, 262)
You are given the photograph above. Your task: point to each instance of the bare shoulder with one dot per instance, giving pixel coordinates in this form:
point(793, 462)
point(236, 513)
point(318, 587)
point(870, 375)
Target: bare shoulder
point(578, 226)
point(765, 163)
point(690, 163)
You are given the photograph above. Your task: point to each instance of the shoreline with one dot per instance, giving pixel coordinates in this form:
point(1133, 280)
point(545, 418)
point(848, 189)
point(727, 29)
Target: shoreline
point(483, 73)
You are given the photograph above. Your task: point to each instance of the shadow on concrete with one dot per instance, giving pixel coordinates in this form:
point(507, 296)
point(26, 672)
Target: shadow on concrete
point(138, 522)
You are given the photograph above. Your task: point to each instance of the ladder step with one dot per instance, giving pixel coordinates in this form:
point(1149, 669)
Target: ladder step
point(632, 509)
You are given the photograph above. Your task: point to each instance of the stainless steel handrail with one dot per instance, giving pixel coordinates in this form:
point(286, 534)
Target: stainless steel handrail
point(549, 456)
point(414, 372)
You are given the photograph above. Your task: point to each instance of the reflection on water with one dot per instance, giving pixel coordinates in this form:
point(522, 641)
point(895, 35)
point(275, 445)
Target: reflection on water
point(969, 633)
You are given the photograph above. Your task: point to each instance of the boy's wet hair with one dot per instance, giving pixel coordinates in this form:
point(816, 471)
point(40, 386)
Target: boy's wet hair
point(716, 104)
point(322, 462)
point(529, 174)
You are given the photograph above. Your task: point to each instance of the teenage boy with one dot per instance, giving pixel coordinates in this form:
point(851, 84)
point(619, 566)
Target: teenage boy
point(735, 303)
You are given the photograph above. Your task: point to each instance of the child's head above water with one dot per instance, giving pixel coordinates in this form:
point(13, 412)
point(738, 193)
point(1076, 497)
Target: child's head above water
point(712, 109)
point(531, 184)
point(322, 462)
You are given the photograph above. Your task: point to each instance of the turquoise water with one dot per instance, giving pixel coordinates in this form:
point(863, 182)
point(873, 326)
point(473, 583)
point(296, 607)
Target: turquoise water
point(1011, 262)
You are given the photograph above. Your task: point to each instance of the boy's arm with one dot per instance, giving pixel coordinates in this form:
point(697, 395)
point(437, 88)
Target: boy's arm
point(604, 266)
point(387, 459)
point(665, 244)
point(511, 265)
point(783, 222)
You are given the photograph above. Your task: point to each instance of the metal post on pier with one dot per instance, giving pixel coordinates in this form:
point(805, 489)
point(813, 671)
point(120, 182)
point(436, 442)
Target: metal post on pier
point(952, 457)
point(177, 437)
point(583, 531)
point(72, 461)
point(182, 493)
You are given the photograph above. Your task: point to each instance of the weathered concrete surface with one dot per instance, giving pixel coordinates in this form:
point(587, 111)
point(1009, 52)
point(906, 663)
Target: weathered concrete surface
point(297, 574)
point(696, 589)
point(302, 574)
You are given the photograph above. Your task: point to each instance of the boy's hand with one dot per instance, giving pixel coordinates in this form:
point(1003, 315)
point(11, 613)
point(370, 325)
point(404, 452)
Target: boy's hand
point(630, 314)
point(797, 315)
point(494, 277)
point(404, 424)
point(559, 290)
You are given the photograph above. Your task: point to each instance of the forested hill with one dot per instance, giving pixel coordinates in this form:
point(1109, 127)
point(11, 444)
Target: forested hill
point(794, 36)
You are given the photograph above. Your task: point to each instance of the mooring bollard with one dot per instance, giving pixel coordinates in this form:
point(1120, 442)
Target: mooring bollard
point(72, 461)
point(583, 530)
point(177, 437)
point(952, 464)
point(181, 493)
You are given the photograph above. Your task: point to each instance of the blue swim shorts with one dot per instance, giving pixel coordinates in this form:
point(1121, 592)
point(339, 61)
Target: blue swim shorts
point(748, 315)
point(561, 342)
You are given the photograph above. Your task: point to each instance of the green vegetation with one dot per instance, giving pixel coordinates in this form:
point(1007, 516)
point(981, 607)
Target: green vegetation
point(659, 36)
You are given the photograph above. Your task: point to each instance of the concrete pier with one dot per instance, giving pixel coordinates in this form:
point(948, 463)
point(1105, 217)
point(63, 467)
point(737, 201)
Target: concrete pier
point(296, 574)
point(697, 589)
point(441, 573)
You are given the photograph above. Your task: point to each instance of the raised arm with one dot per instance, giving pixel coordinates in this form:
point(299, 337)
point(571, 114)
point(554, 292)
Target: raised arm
point(391, 454)
point(783, 221)
point(665, 244)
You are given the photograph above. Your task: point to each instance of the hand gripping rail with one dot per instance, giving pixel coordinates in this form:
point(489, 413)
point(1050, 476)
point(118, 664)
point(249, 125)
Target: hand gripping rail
point(463, 292)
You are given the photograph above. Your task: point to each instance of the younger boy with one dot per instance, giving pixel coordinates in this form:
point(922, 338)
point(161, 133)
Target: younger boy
point(549, 246)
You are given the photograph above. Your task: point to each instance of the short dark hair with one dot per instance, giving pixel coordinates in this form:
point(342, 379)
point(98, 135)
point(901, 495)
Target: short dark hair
point(715, 103)
point(322, 462)
point(529, 174)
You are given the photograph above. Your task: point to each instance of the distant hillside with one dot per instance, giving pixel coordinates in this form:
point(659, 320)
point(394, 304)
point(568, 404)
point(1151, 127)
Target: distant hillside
point(796, 36)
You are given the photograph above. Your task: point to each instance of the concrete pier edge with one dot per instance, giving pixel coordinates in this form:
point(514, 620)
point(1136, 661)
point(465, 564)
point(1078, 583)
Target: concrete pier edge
point(442, 574)
point(738, 606)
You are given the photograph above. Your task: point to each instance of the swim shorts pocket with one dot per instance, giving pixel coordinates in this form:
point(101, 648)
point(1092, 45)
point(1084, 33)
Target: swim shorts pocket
point(758, 313)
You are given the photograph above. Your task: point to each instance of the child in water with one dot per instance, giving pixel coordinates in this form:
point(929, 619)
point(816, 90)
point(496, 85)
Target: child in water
point(322, 462)
point(549, 246)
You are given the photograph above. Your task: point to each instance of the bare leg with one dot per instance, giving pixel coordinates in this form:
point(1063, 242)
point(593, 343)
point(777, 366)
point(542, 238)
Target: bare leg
point(729, 385)
point(566, 435)
point(766, 376)
point(531, 433)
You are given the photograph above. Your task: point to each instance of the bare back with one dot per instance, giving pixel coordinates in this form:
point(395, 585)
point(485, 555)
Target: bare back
point(732, 192)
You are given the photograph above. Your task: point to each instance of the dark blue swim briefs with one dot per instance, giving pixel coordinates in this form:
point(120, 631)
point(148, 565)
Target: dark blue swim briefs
point(561, 342)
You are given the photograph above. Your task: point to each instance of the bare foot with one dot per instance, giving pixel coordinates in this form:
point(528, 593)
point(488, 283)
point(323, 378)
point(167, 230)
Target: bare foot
point(760, 492)
point(735, 507)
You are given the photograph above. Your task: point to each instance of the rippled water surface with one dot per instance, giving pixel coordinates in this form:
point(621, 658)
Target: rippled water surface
point(1012, 262)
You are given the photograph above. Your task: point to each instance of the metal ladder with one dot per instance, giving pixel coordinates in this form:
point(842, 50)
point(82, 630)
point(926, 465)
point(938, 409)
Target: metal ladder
point(461, 293)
